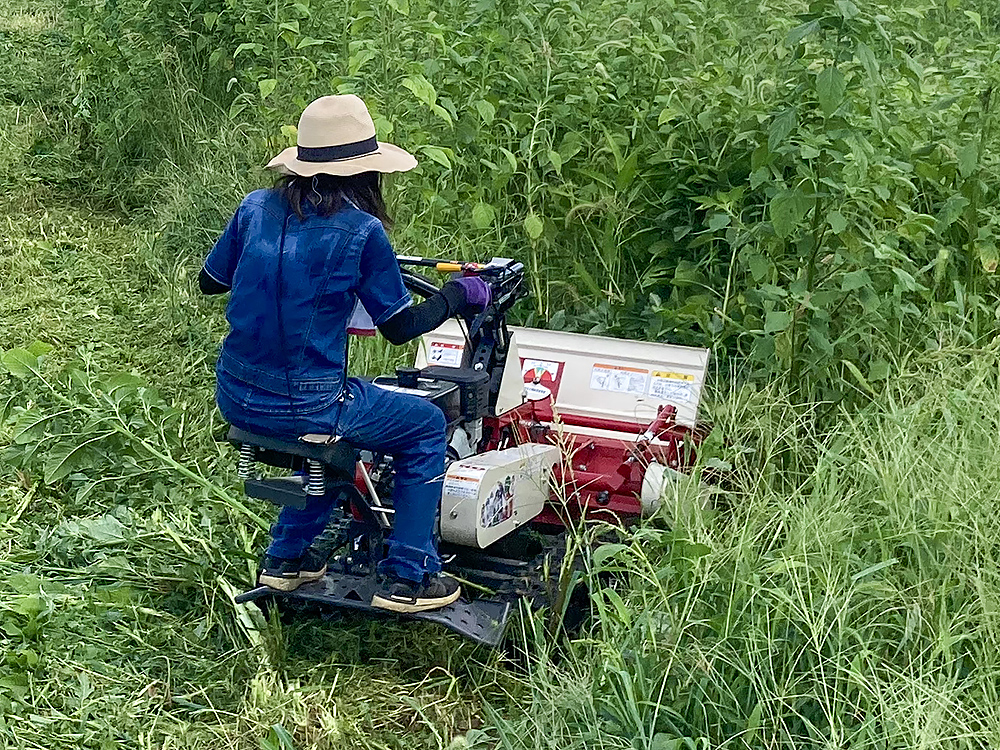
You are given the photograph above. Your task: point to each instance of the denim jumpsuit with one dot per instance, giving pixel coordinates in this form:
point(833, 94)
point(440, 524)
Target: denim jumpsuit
point(282, 369)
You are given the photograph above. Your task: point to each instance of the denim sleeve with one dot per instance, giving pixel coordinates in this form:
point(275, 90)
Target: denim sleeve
point(380, 285)
point(221, 262)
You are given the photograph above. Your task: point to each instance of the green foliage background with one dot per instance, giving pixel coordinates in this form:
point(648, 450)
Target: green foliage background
point(809, 189)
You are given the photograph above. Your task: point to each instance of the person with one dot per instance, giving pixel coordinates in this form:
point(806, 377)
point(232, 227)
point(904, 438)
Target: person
point(296, 260)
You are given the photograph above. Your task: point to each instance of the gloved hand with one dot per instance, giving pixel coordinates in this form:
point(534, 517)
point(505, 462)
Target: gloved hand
point(477, 292)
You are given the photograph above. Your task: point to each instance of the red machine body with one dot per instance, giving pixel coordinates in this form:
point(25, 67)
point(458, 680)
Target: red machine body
point(602, 474)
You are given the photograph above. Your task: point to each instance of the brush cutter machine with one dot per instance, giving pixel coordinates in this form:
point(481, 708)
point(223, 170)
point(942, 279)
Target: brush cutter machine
point(546, 429)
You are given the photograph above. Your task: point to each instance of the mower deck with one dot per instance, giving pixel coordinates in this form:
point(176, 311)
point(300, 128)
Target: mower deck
point(481, 621)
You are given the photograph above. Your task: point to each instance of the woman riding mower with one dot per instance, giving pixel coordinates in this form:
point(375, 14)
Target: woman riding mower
point(297, 259)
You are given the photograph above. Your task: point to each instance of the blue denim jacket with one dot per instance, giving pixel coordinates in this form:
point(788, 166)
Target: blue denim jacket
point(293, 286)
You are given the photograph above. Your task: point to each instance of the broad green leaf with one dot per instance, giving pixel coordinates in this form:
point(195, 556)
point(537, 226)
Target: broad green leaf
point(719, 220)
point(556, 161)
point(968, 159)
point(291, 134)
point(776, 321)
point(907, 282)
point(605, 552)
point(781, 126)
point(820, 340)
point(40, 348)
point(950, 212)
point(663, 741)
point(533, 226)
point(627, 171)
point(104, 528)
point(868, 61)
point(483, 215)
point(855, 280)
point(437, 154)
point(760, 267)
point(421, 88)
point(753, 724)
point(799, 33)
point(486, 111)
point(759, 176)
point(666, 115)
point(830, 89)
point(310, 42)
point(442, 113)
point(988, 255)
point(572, 144)
point(787, 210)
point(836, 221)
point(247, 46)
point(19, 362)
point(266, 87)
point(400, 6)
point(878, 369)
point(63, 459)
point(210, 19)
point(511, 159)
point(848, 9)
point(975, 18)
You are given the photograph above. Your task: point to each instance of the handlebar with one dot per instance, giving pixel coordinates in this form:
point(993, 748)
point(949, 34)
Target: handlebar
point(505, 277)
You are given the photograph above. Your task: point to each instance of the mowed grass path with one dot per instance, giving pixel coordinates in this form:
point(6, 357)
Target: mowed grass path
point(117, 627)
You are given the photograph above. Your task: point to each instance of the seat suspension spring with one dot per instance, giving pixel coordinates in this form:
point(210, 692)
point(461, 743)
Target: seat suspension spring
point(316, 486)
point(248, 455)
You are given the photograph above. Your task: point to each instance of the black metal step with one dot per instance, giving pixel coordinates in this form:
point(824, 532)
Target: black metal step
point(289, 491)
point(479, 620)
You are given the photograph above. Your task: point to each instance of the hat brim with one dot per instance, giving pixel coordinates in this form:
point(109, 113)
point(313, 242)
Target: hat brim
point(387, 158)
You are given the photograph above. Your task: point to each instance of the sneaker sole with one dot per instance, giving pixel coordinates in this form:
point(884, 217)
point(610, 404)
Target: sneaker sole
point(290, 584)
point(420, 605)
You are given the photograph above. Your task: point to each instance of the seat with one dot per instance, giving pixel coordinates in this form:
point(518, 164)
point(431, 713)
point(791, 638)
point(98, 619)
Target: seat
point(337, 455)
point(324, 463)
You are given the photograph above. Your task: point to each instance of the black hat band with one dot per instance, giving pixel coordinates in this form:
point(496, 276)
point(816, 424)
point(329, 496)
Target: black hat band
point(338, 153)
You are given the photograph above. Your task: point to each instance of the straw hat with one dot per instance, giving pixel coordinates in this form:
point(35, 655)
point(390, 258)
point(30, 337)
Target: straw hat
point(337, 136)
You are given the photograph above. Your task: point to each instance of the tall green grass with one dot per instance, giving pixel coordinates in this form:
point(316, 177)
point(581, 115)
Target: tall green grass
point(853, 604)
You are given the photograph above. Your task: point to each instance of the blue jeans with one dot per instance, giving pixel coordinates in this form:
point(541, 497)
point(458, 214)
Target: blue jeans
point(406, 427)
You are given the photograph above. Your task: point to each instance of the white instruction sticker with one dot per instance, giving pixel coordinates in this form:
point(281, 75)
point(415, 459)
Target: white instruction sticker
point(445, 354)
point(618, 379)
point(462, 482)
point(671, 386)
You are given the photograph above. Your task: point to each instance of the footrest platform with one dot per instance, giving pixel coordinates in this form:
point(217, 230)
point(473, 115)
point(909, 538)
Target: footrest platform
point(478, 620)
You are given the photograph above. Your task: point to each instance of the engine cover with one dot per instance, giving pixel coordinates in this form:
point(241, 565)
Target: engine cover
point(488, 496)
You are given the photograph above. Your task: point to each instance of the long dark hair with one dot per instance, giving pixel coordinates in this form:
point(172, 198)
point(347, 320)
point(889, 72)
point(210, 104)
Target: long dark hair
point(325, 193)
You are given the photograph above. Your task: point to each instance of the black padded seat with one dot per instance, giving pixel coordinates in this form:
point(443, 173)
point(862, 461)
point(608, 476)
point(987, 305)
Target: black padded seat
point(336, 454)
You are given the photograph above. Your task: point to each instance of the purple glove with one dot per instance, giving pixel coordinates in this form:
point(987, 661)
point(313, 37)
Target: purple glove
point(477, 292)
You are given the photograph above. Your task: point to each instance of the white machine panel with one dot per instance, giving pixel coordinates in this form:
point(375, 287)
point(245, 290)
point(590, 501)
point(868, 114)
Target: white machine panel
point(593, 376)
point(487, 496)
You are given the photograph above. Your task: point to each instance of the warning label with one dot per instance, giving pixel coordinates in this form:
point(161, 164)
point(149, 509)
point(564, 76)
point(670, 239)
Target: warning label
point(463, 482)
point(445, 354)
point(541, 378)
point(618, 379)
point(671, 386)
